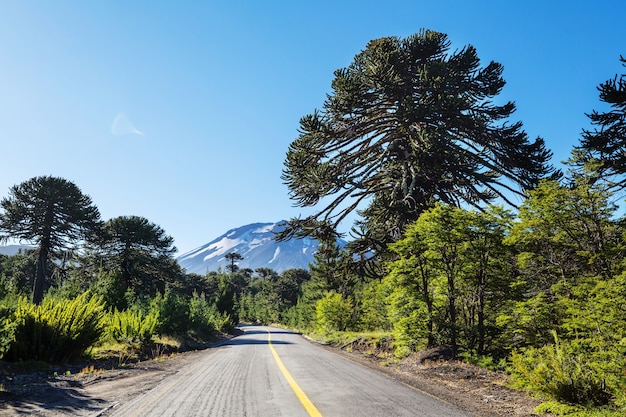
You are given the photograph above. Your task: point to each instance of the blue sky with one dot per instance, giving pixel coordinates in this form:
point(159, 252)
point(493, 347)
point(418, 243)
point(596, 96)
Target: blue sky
point(181, 112)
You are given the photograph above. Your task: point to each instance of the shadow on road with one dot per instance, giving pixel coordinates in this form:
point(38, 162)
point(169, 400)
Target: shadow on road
point(253, 330)
point(242, 340)
point(61, 399)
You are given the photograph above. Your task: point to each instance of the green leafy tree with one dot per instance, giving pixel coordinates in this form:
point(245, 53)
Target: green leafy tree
point(333, 312)
point(288, 286)
point(18, 272)
point(409, 123)
point(270, 295)
point(51, 213)
point(607, 142)
point(565, 237)
point(450, 278)
point(225, 293)
point(141, 252)
point(374, 307)
point(568, 327)
point(489, 276)
point(411, 296)
point(567, 231)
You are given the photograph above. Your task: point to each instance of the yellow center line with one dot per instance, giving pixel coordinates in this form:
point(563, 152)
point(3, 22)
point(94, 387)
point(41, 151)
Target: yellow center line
point(308, 405)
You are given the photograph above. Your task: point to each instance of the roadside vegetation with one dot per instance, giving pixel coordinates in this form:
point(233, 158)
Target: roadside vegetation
point(442, 258)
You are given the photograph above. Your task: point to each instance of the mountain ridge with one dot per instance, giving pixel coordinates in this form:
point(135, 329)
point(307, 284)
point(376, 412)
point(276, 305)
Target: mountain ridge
point(10, 250)
point(256, 243)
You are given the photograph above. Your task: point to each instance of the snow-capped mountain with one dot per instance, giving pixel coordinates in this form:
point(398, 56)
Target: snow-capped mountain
point(11, 250)
point(255, 243)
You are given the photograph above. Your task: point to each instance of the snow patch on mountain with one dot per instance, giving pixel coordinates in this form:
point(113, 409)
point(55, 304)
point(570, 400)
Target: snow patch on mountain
point(257, 245)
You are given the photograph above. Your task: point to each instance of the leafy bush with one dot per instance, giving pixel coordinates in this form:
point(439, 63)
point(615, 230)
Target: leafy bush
point(203, 316)
point(132, 326)
point(173, 312)
point(484, 361)
point(565, 372)
point(560, 409)
point(225, 323)
point(333, 312)
point(58, 330)
point(374, 307)
point(7, 326)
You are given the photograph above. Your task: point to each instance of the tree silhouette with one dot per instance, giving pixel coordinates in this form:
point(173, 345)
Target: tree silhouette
point(140, 250)
point(51, 213)
point(233, 257)
point(607, 142)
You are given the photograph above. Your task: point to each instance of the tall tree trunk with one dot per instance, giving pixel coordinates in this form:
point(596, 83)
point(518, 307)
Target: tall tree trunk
point(452, 311)
point(44, 250)
point(424, 272)
point(40, 276)
point(481, 312)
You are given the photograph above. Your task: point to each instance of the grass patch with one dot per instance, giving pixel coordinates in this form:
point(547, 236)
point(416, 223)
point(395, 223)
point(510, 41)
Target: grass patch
point(378, 344)
point(562, 409)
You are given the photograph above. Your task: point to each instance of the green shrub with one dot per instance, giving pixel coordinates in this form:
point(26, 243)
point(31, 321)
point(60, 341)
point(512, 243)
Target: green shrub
point(333, 312)
point(484, 361)
point(58, 330)
point(132, 326)
point(173, 313)
point(225, 323)
point(565, 372)
point(559, 409)
point(203, 316)
point(7, 326)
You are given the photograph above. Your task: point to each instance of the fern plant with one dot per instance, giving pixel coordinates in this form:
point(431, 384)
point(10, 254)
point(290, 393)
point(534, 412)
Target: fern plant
point(7, 326)
point(132, 326)
point(57, 330)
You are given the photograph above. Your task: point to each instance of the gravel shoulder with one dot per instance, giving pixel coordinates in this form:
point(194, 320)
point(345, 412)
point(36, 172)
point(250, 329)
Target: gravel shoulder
point(87, 391)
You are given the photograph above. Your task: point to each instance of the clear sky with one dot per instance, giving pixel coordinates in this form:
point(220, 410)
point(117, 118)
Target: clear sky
point(182, 112)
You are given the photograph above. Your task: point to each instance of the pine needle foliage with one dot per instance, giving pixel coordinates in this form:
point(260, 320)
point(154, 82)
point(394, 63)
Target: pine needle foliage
point(203, 316)
point(58, 330)
point(409, 123)
point(7, 326)
point(132, 326)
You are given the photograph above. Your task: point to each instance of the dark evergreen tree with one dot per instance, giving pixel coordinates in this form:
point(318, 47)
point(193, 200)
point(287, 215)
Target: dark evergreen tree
point(141, 252)
point(233, 257)
point(408, 124)
point(51, 213)
point(288, 286)
point(17, 272)
point(607, 142)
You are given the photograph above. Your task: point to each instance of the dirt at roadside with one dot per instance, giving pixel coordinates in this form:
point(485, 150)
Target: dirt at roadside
point(83, 391)
point(89, 392)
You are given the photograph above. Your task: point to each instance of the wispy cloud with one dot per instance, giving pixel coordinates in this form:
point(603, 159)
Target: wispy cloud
point(122, 126)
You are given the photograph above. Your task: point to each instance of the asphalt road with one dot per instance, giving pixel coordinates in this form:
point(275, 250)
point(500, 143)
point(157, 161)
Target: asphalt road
point(272, 372)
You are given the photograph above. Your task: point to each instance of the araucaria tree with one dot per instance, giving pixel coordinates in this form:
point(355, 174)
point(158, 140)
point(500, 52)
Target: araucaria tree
point(607, 142)
point(233, 257)
point(140, 251)
point(53, 214)
point(408, 124)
